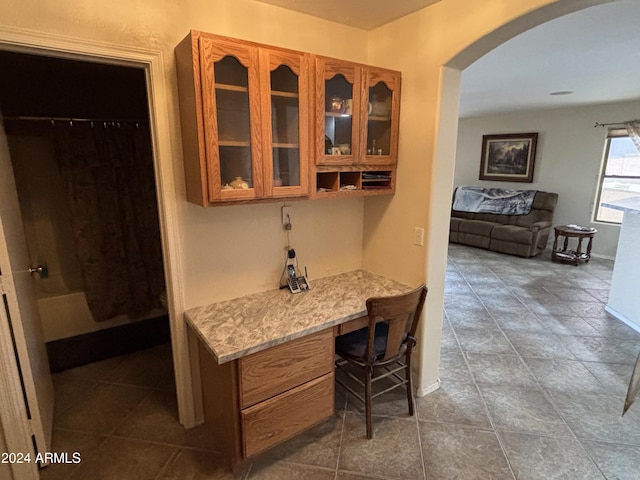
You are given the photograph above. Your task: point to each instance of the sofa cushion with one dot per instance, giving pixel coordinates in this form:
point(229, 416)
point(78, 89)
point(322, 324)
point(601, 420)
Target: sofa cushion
point(480, 241)
point(454, 226)
point(477, 227)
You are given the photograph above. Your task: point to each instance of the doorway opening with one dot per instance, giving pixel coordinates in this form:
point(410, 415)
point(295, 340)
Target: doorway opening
point(81, 152)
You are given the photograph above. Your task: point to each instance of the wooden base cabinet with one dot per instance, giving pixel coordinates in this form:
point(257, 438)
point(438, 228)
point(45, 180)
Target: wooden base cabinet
point(263, 399)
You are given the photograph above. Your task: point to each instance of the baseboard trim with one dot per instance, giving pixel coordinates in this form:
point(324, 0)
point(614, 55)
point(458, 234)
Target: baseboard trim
point(622, 318)
point(422, 392)
point(95, 346)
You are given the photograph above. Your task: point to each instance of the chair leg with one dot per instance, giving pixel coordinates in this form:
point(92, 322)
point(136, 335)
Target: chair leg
point(367, 398)
point(409, 384)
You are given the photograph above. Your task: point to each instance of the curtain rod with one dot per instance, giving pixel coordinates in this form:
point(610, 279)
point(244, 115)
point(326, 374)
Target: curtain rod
point(72, 120)
point(616, 124)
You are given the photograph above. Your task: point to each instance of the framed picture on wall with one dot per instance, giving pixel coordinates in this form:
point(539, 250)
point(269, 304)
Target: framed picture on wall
point(509, 157)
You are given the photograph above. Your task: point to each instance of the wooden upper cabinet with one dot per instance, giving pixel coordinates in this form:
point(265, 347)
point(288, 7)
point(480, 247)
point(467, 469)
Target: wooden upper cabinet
point(263, 123)
point(357, 113)
point(244, 111)
point(356, 129)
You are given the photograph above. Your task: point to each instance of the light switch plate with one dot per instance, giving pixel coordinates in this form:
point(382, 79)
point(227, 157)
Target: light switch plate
point(418, 236)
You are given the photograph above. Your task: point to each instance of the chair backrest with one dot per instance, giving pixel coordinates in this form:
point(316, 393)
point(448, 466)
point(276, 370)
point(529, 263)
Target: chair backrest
point(402, 313)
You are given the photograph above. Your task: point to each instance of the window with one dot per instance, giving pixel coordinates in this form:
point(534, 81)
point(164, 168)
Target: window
point(620, 175)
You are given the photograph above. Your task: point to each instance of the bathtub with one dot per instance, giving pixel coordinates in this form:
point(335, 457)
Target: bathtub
point(68, 315)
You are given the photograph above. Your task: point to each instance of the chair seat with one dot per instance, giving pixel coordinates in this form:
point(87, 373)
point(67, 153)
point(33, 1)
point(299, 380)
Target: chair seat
point(354, 344)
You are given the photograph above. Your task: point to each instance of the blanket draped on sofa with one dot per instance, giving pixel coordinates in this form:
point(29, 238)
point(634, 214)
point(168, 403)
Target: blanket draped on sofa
point(493, 200)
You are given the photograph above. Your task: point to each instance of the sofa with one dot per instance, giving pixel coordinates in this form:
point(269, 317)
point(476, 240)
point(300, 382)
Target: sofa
point(523, 234)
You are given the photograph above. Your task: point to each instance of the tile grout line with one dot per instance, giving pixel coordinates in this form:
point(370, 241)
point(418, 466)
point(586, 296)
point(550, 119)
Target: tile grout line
point(475, 383)
point(546, 394)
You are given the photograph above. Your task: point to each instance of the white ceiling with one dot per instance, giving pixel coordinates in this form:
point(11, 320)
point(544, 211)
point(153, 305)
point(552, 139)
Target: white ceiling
point(594, 53)
point(365, 14)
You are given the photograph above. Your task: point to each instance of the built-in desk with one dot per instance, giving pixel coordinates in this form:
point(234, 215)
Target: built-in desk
point(266, 359)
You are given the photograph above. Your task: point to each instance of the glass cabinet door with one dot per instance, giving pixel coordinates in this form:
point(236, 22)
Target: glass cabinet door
point(285, 123)
point(339, 87)
point(233, 152)
point(381, 140)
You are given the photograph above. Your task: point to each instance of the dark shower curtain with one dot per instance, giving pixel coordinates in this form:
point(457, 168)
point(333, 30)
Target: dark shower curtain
point(108, 171)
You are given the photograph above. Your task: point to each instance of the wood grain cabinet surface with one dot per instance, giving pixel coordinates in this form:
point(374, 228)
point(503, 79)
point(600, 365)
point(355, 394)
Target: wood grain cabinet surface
point(261, 123)
point(258, 401)
point(244, 110)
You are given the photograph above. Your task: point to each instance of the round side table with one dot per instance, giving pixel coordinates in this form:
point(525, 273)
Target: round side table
point(565, 255)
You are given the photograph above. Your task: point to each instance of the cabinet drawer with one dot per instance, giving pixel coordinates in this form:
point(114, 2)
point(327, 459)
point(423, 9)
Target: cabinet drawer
point(284, 416)
point(280, 368)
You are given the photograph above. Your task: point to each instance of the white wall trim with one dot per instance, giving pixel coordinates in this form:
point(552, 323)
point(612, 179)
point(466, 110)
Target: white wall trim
point(35, 42)
point(424, 391)
point(618, 316)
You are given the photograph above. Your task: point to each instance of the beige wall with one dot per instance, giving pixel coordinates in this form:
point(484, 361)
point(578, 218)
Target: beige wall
point(228, 251)
point(568, 158)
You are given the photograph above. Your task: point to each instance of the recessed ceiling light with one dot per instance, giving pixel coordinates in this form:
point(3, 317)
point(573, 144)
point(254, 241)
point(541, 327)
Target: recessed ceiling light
point(562, 92)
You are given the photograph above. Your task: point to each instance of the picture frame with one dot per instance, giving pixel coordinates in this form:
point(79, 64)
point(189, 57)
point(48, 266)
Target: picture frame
point(508, 157)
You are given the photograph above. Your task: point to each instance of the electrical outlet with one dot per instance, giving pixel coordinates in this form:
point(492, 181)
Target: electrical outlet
point(287, 210)
point(418, 236)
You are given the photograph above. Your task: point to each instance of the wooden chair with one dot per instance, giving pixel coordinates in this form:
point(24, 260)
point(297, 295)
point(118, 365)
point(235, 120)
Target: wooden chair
point(383, 349)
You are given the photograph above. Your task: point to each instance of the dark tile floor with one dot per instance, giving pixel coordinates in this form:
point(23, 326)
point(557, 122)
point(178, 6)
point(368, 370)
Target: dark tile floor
point(533, 374)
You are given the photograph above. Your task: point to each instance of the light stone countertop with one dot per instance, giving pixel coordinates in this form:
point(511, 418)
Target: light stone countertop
point(235, 328)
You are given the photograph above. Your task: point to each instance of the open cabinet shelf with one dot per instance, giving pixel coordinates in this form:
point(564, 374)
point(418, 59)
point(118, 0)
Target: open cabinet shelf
point(356, 181)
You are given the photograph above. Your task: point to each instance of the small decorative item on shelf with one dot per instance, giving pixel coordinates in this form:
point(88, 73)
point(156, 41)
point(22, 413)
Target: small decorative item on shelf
point(277, 182)
point(238, 183)
point(380, 109)
point(337, 104)
point(348, 106)
point(345, 149)
point(328, 145)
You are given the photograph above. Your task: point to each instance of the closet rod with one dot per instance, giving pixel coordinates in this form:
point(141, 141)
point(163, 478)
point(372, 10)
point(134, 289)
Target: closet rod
point(71, 119)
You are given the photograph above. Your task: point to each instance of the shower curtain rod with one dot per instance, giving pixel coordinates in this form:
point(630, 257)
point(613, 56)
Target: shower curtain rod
point(71, 120)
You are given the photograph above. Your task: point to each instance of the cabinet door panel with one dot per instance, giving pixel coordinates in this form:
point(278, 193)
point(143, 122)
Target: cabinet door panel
point(285, 116)
point(380, 139)
point(338, 111)
point(231, 102)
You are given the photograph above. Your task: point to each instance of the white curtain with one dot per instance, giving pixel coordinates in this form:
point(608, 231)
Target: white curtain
point(633, 127)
